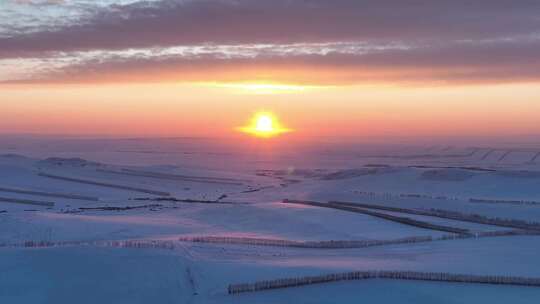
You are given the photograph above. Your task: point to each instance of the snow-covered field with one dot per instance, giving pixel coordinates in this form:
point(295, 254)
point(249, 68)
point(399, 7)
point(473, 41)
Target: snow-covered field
point(75, 195)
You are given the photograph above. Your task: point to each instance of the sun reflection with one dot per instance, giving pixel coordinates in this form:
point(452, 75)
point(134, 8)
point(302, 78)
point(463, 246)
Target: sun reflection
point(264, 124)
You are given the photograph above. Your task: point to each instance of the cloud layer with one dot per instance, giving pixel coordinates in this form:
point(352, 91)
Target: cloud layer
point(482, 40)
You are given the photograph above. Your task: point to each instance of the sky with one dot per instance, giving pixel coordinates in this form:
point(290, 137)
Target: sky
point(351, 68)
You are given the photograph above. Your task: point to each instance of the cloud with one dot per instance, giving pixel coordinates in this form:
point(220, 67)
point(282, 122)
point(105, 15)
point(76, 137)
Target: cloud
point(180, 22)
point(308, 41)
point(463, 62)
point(39, 2)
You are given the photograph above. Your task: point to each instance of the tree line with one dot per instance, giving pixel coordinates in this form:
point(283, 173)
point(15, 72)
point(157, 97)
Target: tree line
point(394, 275)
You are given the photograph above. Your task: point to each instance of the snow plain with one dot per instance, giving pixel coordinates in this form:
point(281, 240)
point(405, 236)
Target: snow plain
point(87, 191)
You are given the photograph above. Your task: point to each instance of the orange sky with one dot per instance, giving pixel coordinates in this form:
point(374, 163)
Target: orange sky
point(345, 68)
point(216, 110)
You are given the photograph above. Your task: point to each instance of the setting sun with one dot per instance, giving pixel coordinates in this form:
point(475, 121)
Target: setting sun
point(264, 124)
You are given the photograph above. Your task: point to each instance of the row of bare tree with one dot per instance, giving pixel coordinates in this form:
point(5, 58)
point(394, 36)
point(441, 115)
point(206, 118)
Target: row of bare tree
point(395, 275)
point(446, 214)
point(116, 244)
point(406, 195)
point(343, 244)
point(481, 219)
point(365, 209)
point(499, 201)
point(444, 198)
point(332, 244)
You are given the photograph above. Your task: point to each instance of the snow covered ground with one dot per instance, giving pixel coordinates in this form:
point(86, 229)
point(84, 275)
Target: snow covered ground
point(89, 190)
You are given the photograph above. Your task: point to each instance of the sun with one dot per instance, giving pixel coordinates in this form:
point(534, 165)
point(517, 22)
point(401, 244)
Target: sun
point(264, 124)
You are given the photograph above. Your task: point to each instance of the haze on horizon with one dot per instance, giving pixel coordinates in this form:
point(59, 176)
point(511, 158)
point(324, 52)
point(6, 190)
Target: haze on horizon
point(325, 68)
